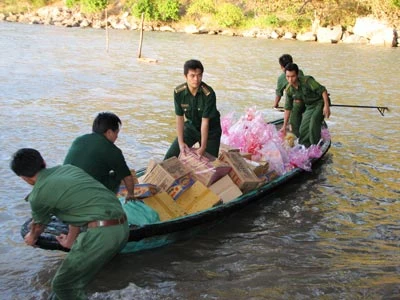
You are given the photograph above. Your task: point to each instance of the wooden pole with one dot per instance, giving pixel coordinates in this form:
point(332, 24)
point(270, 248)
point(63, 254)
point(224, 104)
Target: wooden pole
point(107, 39)
point(141, 37)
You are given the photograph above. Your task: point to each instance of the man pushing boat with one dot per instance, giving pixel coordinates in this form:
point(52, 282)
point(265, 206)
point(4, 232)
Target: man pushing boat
point(98, 227)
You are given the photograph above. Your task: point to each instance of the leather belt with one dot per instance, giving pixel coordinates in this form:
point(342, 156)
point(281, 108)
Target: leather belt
point(298, 101)
point(104, 223)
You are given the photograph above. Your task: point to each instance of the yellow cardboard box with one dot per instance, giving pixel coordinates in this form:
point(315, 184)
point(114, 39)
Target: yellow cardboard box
point(197, 198)
point(226, 189)
point(165, 173)
point(241, 173)
point(165, 206)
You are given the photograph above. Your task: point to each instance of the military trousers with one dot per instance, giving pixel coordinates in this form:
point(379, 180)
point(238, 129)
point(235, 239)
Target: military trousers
point(311, 124)
point(89, 253)
point(296, 116)
point(191, 136)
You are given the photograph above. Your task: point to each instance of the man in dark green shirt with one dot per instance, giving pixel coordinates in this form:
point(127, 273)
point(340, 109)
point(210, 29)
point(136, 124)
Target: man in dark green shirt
point(315, 97)
point(97, 154)
point(79, 200)
point(195, 101)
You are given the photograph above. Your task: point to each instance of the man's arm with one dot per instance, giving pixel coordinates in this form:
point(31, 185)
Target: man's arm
point(205, 125)
point(130, 185)
point(68, 240)
point(277, 99)
point(286, 117)
point(326, 109)
point(180, 120)
point(34, 233)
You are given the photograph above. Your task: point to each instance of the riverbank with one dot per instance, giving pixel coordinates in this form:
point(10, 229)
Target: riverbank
point(366, 30)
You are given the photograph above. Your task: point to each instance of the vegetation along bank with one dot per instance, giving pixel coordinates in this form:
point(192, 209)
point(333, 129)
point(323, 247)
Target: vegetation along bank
point(348, 21)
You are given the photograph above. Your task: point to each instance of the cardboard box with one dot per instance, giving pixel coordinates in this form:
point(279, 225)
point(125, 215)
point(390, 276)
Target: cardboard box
point(206, 169)
point(140, 191)
point(180, 185)
point(165, 173)
point(259, 168)
point(197, 198)
point(226, 148)
point(241, 173)
point(165, 206)
point(226, 189)
point(271, 175)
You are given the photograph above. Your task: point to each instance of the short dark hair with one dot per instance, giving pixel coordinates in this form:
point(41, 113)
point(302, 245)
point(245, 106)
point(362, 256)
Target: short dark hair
point(105, 121)
point(27, 162)
point(292, 67)
point(285, 59)
point(192, 64)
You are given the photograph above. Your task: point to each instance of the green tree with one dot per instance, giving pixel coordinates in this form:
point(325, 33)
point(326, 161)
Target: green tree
point(229, 15)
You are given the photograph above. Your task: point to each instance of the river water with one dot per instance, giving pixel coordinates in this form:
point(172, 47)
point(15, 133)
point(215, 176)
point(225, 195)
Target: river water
point(332, 234)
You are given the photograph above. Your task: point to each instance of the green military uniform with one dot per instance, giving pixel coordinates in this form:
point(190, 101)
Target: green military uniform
point(76, 198)
point(310, 92)
point(194, 108)
point(99, 157)
point(297, 109)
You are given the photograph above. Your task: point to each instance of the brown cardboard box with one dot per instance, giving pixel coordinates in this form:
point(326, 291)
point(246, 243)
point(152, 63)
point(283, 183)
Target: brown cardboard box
point(165, 206)
point(197, 198)
point(259, 168)
point(241, 173)
point(226, 189)
point(206, 168)
point(227, 148)
point(165, 173)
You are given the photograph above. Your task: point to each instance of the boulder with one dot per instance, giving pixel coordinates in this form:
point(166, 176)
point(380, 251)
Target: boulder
point(331, 34)
point(306, 37)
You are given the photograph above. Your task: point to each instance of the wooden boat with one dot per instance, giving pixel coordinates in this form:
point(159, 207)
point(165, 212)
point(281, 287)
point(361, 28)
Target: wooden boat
point(162, 233)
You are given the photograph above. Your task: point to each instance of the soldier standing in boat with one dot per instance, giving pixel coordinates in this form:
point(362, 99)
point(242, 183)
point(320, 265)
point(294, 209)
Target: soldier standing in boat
point(298, 108)
point(316, 99)
point(195, 101)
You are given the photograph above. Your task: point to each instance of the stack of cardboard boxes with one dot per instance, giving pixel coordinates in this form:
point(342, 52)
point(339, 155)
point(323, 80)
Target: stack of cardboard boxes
point(189, 184)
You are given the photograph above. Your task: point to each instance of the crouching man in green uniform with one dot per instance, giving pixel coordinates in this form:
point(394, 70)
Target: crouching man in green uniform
point(97, 154)
point(196, 101)
point(97, 223)
point(315, 97)
point(297, 109)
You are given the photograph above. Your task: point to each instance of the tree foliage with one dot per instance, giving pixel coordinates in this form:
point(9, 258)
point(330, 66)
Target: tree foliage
point(89, 6)
point(156, 10)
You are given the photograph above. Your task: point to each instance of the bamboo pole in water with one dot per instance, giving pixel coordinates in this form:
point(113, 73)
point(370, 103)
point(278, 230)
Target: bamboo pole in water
point(107, 39)
point(141, 37)
point(139, 56)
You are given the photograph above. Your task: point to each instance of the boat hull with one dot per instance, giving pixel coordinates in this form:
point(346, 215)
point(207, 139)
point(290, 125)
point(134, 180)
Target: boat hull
point(159, 234)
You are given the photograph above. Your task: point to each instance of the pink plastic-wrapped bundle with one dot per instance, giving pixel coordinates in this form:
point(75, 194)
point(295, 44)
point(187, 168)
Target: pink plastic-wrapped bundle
point(299, 157)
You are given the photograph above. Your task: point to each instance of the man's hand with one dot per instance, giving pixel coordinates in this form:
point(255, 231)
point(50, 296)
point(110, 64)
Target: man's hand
point(200, 152)
point(327, 111)
point(63, 240)
point(30, 239)
point(68, 240)
point(130, 196)
point(183, 148)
